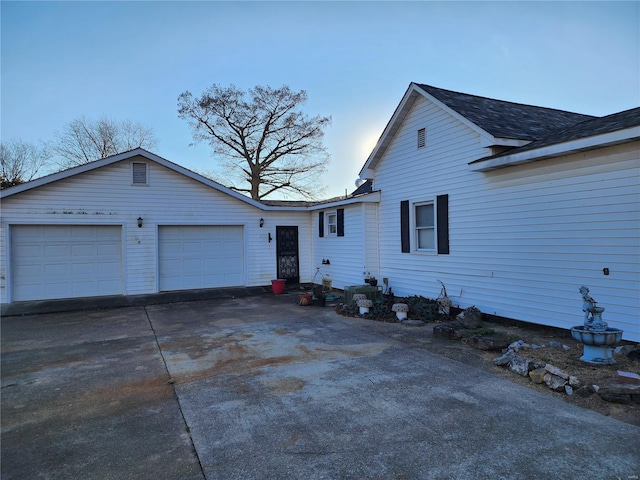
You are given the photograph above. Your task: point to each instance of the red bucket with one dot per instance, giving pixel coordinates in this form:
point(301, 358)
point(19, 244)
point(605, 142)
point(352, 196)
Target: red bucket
point(278, 286)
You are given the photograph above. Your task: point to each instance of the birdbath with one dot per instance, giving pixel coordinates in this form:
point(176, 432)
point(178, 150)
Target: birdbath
point(596, 336)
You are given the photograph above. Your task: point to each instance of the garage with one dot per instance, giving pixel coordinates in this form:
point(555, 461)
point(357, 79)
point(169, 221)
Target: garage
point(65, 261)
point(200, 257)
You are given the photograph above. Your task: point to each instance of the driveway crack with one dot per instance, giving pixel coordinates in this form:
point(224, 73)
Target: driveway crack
point(175, 393)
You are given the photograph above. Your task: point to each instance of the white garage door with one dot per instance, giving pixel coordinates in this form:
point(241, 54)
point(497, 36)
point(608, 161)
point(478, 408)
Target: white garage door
point(200, 257)
point(65, 261)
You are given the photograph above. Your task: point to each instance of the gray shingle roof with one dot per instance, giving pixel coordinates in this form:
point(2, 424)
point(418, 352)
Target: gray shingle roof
point(595, 126)
point(506, 119)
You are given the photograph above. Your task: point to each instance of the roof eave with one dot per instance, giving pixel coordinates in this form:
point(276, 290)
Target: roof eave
point(372, 197)
point(556, 150)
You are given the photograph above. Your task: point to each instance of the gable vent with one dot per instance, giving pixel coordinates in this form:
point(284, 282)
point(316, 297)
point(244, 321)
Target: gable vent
point(139, 173)
point(422, 137)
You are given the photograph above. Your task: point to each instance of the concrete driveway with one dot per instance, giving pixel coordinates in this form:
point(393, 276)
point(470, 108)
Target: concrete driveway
point(258, 387)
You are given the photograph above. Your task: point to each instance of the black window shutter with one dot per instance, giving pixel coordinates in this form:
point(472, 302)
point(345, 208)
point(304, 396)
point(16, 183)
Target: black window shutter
point(442, 205)
point(321, 224)
point(340, 219)
point(404, 226)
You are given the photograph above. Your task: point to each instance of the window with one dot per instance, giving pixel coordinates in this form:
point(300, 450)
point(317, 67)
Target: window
point(332, 224)
point(425, 226)
point(139, 172)
point(422, 137)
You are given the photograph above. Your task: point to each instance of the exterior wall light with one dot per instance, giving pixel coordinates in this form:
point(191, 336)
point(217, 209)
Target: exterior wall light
point(261, 222)
point(139, 222)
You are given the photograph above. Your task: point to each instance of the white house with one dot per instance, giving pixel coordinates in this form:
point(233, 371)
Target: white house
point(512, 207)
point(135, 223)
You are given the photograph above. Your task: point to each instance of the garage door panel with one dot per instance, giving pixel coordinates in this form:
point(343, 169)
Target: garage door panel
point(200, 257)
point(65, 261)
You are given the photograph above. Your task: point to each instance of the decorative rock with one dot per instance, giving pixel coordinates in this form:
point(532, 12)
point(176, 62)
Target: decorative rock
point(620, 388)
point(628, 377)
point(584, 391)
point(556, 371)
point(554, 382)
point(574, 382)
point(634, 354)
point(615, 398)
point(537, 375)
point(470, 318)
point(553, 344)
point(568, 390)
point(517, 345)
point(505, 358)
point(521, 366)
point(446, 331)
point(566, 348)
point(485, 342)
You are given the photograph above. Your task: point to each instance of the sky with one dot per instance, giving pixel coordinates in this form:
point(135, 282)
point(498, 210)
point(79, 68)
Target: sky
point(131, 60)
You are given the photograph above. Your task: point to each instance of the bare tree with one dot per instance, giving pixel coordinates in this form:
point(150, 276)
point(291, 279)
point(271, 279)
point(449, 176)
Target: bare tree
point(20, 162)
point(261, 136)
point(82, 141)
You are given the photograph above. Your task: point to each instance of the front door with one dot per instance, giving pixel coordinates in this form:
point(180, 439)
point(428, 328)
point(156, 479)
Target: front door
point(287, 254)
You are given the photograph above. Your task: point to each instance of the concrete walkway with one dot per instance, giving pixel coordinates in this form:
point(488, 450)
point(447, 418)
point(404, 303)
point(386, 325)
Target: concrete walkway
point(258, 387)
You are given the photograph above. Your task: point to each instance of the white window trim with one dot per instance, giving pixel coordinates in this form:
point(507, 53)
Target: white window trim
point(146, 182)
point(327, 224)
point(414, 227)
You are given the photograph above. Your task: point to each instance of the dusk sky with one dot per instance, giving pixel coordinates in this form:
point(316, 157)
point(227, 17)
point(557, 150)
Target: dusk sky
point(131, 60)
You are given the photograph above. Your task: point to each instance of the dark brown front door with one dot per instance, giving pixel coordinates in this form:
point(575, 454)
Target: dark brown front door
point(287, 253)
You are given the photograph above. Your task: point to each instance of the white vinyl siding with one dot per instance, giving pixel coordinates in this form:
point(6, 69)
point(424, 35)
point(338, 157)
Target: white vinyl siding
point(352, 254)
point(105, 196)
point(523, 239)
point(65, 261)
point(200, 257)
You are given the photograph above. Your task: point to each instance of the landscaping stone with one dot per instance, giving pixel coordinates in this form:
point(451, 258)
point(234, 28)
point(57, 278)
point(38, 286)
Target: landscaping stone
point(521, 366)
point(556, 371)
point(553, 344)
point(537, 375)
point(574, 382)
point(517, 345)
point(620, 388)
point(628, 377)
point(471, 318)
point(554, 382)
point(568, 390)
point(505, 358)
point(486, 342)
point(584, 391)
point(446, 330)
point(620, 393)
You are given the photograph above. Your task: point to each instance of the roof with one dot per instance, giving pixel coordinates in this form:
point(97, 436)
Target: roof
point(598, 132)
point(501, 123)
point(506, 119)
point(595, 126)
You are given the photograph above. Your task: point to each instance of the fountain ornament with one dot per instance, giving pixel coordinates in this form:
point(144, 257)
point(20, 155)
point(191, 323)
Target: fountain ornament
point(595, 334)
